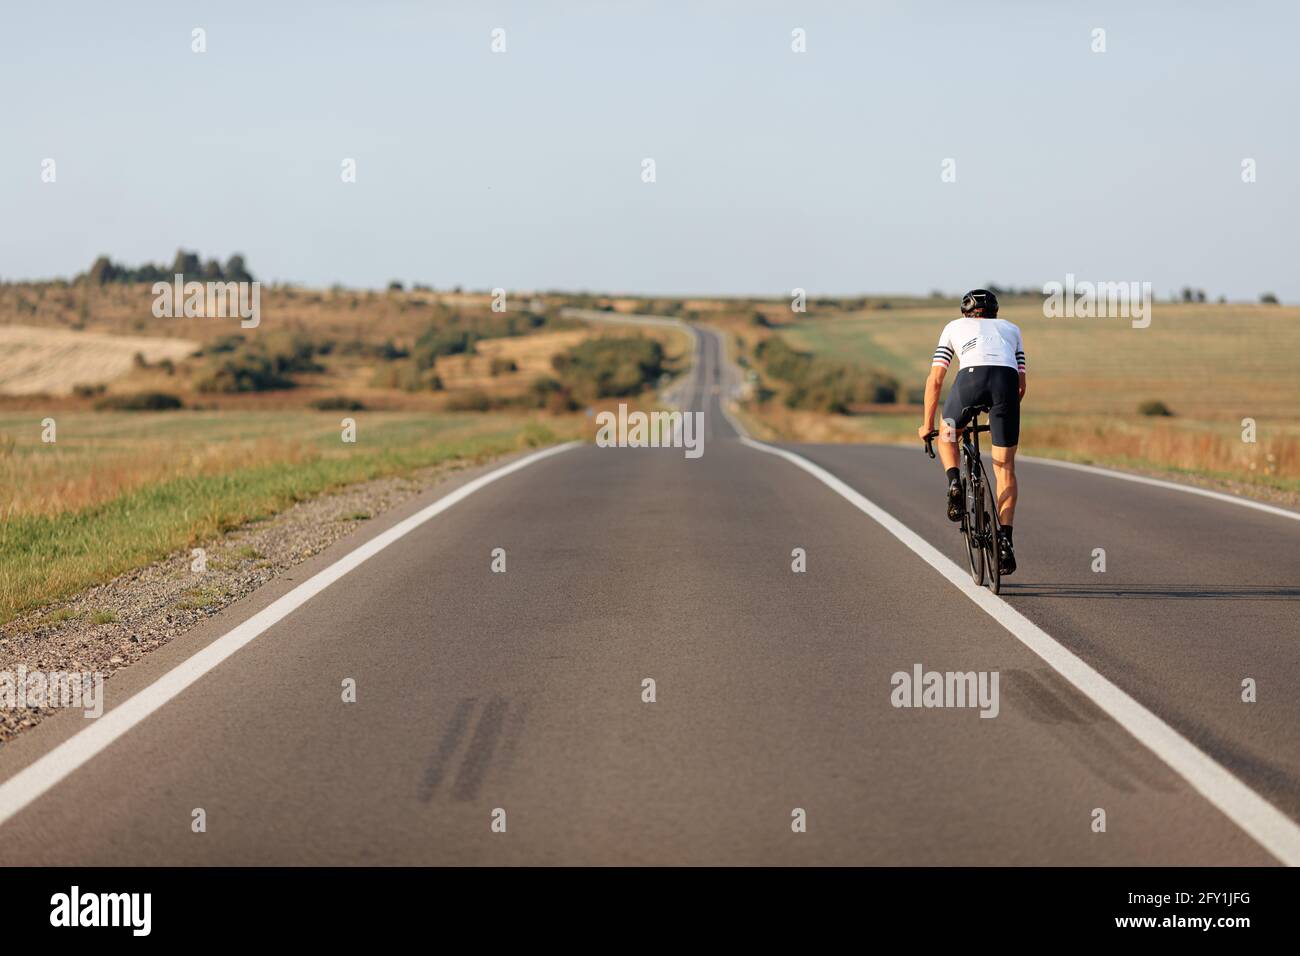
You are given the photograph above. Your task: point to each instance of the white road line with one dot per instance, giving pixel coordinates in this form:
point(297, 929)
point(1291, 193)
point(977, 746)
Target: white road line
point(1268, 826)
point(34, 780)
point(1143, 480)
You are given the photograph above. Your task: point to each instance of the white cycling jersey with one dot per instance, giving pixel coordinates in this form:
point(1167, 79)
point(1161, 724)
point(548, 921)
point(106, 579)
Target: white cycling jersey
point(980, 342)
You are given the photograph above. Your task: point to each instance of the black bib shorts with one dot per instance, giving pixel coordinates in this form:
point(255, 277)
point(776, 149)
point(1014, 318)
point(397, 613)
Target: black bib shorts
point(998, 387)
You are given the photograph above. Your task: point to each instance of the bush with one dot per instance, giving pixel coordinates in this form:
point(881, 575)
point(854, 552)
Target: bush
point(438, 341)
point(1155, 407)
point(471, 401)
point(340, 403)
point(243, 372)
point(610, 367)
point(407, 376)
point(140, 402)
point(88, 391)
point(386, 351)
point(500, 366)
point(223, 343)
point(823, 385)
point(550, 394)
point(238, 364)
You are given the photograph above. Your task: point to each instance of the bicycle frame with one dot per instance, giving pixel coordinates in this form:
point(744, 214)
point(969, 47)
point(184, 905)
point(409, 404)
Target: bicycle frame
point(970, 449)
point(980, 535)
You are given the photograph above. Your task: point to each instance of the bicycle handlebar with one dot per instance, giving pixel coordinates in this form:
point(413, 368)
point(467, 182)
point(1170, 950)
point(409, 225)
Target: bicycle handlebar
point(929, 443)
point(929, 439)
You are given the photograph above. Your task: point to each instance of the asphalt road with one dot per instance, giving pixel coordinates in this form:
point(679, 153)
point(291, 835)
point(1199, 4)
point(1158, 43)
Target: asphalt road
point(523, 690)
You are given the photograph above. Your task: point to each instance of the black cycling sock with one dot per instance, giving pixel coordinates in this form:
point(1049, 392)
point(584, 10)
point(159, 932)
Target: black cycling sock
point(953, 473)
point(1006, 530)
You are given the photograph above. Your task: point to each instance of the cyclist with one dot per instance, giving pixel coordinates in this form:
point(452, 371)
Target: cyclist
point(991, 355)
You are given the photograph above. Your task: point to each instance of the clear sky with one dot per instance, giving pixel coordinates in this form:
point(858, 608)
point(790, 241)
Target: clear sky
point(774, 169)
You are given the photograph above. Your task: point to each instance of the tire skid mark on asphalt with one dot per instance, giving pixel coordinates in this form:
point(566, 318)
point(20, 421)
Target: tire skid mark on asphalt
point(451, 738)
point(1083, 728)
point(491, 745)
point(478, 757)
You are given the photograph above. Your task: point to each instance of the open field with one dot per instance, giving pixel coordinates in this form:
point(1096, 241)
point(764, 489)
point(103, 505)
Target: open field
point(1206, 362)
point(35, 360)
point(120, 490)
point(1213, 365)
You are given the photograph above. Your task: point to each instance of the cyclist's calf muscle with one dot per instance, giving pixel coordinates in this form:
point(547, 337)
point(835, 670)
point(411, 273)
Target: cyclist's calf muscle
point(1004, 470)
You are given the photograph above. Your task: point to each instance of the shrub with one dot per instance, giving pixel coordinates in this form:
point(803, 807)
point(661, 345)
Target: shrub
point(501, 366)
point(610, 367)
point(223, 343)
point(407, 376)
point(823, 385)
point(265, 364)
point(337, 403)
point(88, 391)
point(139, 402)
point(438, 341)
point(386, 351)
point(1155, 407)
point(243, 372)
point(550, 394)
point(471, 401)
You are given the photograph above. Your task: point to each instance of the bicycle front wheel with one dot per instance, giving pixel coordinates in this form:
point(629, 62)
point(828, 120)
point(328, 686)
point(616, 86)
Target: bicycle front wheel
point(992, 527)
point(972, 524)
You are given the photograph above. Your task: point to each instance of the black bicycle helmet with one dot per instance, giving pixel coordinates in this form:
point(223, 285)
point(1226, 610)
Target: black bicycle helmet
point(980, 300)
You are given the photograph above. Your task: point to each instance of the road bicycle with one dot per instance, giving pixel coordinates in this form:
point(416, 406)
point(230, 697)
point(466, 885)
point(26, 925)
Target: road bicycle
point(979, 520)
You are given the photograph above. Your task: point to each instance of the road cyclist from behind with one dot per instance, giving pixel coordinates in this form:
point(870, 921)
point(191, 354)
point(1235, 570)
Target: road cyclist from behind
point(990, 355)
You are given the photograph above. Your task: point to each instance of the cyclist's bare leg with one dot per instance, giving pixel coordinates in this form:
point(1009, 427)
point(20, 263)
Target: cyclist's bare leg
point(946, 446)
point(1004, 469)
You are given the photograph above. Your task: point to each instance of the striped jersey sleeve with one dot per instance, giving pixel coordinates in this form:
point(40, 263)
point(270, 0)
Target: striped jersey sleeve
point(1020, 351)
point(943, 353)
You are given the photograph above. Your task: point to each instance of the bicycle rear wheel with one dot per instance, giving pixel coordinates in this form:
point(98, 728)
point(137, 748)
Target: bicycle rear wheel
point(973, 523)
point(993, 526)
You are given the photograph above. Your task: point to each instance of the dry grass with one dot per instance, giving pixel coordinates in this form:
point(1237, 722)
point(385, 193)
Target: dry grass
point(36, 360)
point(100, 457)
point(532, 353)
point(1272, 461)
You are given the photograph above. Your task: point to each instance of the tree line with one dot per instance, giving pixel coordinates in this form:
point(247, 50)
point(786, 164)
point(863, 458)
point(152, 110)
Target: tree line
point(104, 270)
